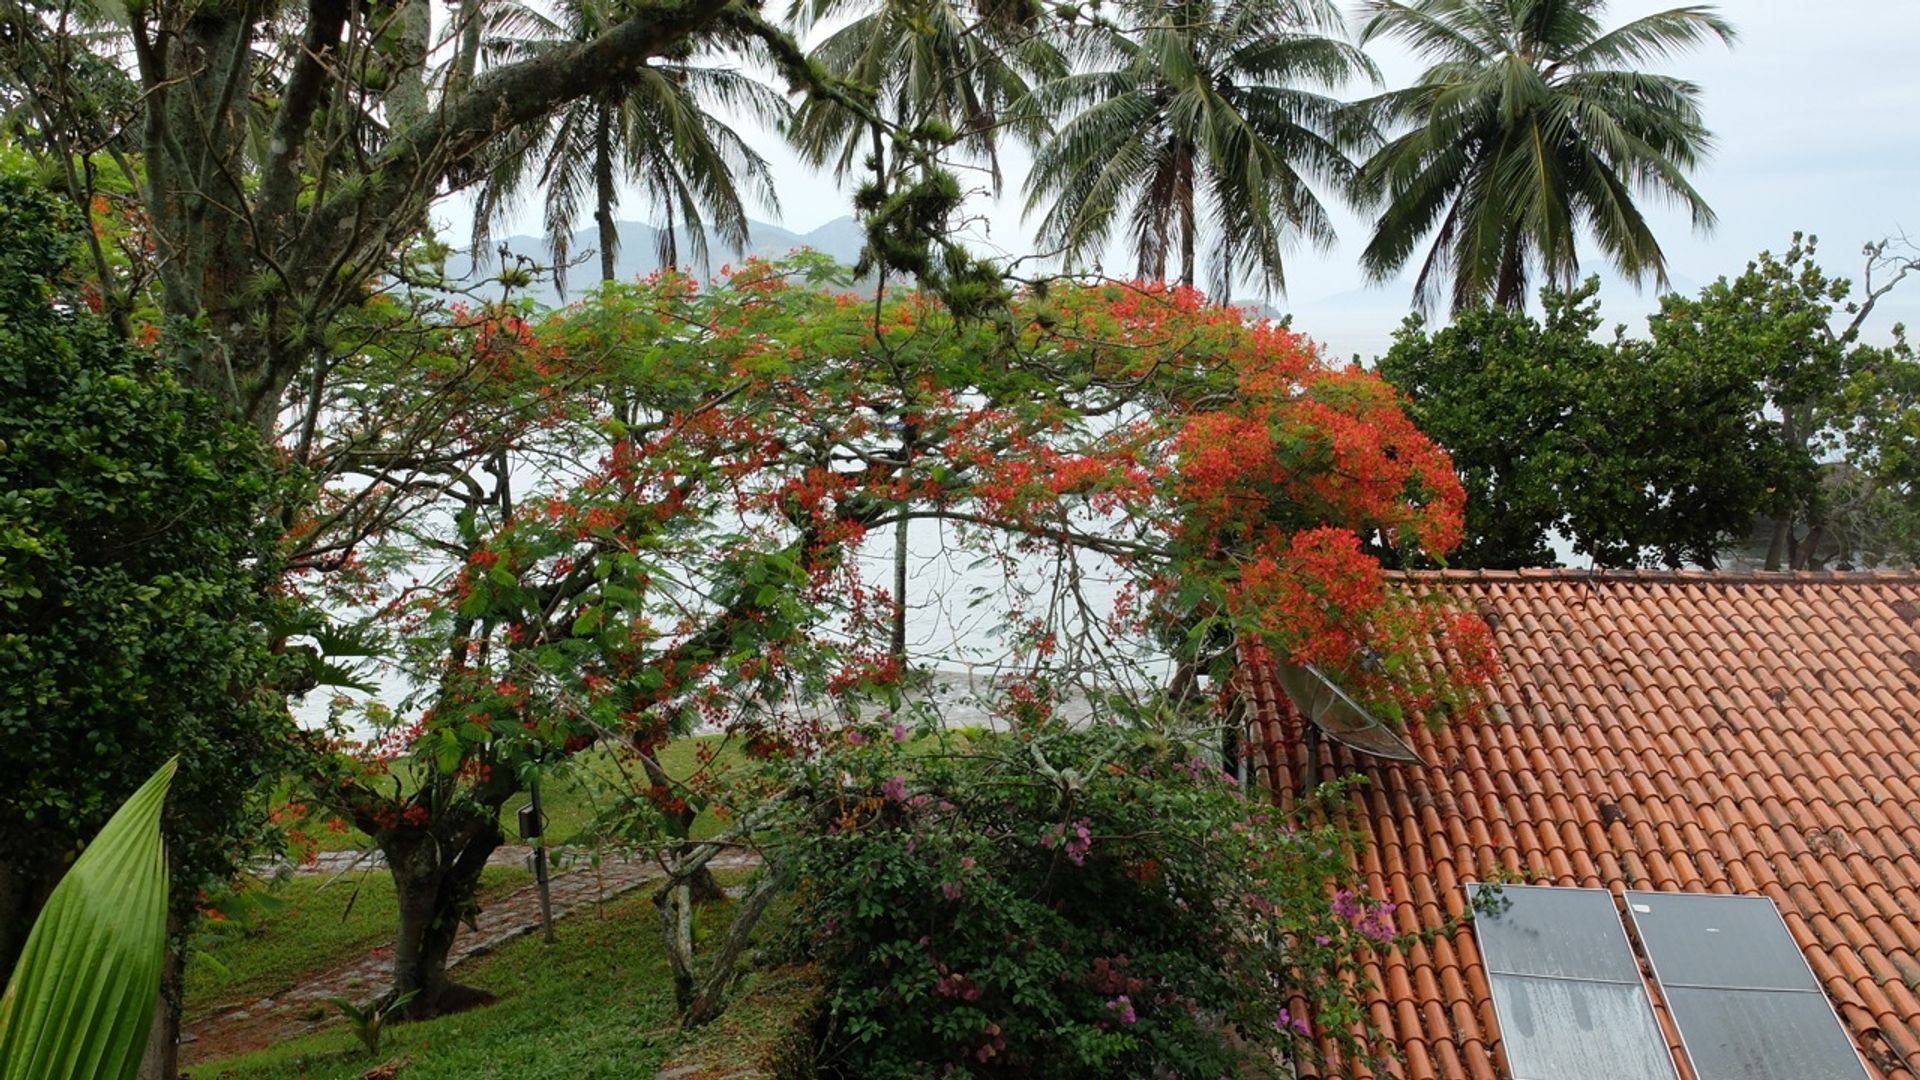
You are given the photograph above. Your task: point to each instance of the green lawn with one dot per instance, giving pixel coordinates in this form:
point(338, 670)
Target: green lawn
point(313, 924)
point(596, 1003)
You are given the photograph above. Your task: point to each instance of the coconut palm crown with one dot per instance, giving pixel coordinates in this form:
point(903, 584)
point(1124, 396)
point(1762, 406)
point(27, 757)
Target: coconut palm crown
point(1532, 126)
point(967, 64)
point(653, 131)
point(1199, 115)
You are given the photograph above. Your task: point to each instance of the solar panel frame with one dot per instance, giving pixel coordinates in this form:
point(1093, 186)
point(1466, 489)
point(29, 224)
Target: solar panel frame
point(1765, 956)
point(1662, 984)
point(1762, 1033)
point(1659, 1053)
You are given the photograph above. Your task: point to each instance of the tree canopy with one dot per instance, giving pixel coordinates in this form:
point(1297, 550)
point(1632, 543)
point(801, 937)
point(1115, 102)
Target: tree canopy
point(1197, 119)
point(135, 558)
point(1532, 126)
point(1749, 405)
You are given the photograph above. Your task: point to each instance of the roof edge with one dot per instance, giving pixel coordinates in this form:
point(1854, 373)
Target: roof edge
point(1681, 577)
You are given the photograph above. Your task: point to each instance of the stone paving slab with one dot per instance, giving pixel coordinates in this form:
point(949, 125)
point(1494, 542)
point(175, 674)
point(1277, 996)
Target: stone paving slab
point(341, 862)
point(252, 1025)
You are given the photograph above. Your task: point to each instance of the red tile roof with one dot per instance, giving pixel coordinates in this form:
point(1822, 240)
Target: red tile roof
point(1675, 731)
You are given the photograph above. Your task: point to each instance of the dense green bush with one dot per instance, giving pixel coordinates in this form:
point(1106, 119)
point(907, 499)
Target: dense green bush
point(135, 555)
point(1070, 903)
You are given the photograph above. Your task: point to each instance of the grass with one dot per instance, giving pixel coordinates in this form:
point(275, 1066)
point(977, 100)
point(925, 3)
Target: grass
point(576, 796)
point(309, 923)
point(597, 1003)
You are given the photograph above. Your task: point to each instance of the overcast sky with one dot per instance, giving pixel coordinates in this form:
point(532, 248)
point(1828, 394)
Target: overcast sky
point(1817, 113)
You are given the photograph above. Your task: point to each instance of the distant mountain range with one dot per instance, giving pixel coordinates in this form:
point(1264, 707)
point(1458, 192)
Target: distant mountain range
point(638, 254)
point(1352, 323)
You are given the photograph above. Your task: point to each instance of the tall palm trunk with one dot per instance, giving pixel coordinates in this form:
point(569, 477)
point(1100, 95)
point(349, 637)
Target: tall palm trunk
point(670, 243)
point(604, 192)
point(1186, 197)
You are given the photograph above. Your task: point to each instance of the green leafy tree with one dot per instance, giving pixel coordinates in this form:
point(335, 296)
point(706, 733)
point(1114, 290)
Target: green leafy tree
point(1533, 126)
point(655, 131)
point(1827, 396)
point(1198, 117)
point(617, 580)
point(1635, 451)
point(135, 554)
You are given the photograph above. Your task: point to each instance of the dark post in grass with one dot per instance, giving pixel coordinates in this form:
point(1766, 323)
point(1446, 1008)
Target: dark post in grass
point(532, 830)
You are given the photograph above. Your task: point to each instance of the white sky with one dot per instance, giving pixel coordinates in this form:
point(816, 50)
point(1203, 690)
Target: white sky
point(1817, 113)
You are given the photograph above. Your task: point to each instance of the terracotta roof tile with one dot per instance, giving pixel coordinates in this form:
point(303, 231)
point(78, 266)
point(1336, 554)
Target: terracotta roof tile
point(1688, 731)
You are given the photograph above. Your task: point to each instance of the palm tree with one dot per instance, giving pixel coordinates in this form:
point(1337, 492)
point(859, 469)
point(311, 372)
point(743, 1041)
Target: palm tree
point(1530, 127)
point(655, 132)
point(965, 64)
point(1207, 107)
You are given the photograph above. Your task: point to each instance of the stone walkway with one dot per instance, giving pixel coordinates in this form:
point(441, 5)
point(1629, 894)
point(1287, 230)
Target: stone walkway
point(340, 862)
point(251, 1025)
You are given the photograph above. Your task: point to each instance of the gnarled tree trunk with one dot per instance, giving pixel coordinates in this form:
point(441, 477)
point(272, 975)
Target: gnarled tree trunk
point(702, 888)
point(436, 875)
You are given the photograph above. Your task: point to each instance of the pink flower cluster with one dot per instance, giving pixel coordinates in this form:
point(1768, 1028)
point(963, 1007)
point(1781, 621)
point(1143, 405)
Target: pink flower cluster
point(1077, 838)
point(1285, 1021)
point(956, 985)
point(1124, 1006)
point(1373, 921)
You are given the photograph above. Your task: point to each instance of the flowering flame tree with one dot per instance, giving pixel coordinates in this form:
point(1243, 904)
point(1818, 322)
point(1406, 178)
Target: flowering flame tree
point(652, 502)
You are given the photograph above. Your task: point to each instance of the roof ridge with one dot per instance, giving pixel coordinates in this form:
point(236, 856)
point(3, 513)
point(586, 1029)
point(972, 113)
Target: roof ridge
point(1682, 577)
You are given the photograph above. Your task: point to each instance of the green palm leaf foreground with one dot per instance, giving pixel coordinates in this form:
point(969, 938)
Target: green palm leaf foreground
point(657, 132)
point(1532, 126)
point(1199, 116)
point(82, 997)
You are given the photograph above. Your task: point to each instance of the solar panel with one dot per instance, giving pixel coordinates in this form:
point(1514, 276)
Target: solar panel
point(1702, 940)
point(1557, 933)
point(1739, 989)
point(1567, 989)
point(1762, 1033)
point(1575, 1029)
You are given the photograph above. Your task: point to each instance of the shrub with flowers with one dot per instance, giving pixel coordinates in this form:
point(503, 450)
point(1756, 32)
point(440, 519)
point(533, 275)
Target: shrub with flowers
point(1057, 902)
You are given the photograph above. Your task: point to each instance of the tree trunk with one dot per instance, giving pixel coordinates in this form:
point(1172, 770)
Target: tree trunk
point(1186, 220)
point(162, 1059)
point(670, 240)
point(1782, 550)
point(1780, 543)
point(1225, 296)
point(897, 643)
point(406, 60)
point(702, 887)
point(1510, 289)
point(707, 1003)
point(435, 876)
point(604, 193)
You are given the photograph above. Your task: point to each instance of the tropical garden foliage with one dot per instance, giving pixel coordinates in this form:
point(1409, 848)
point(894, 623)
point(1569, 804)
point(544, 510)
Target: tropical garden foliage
point(80, 1002)
point(1068, 903)
point(135, 558)
point(623, 580)
point(1747, 407)
point(657, 134)
point(1195, 120)
point(257, 434)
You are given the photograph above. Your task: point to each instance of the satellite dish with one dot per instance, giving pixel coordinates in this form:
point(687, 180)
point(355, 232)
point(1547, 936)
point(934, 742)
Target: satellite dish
point(1343, 719)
